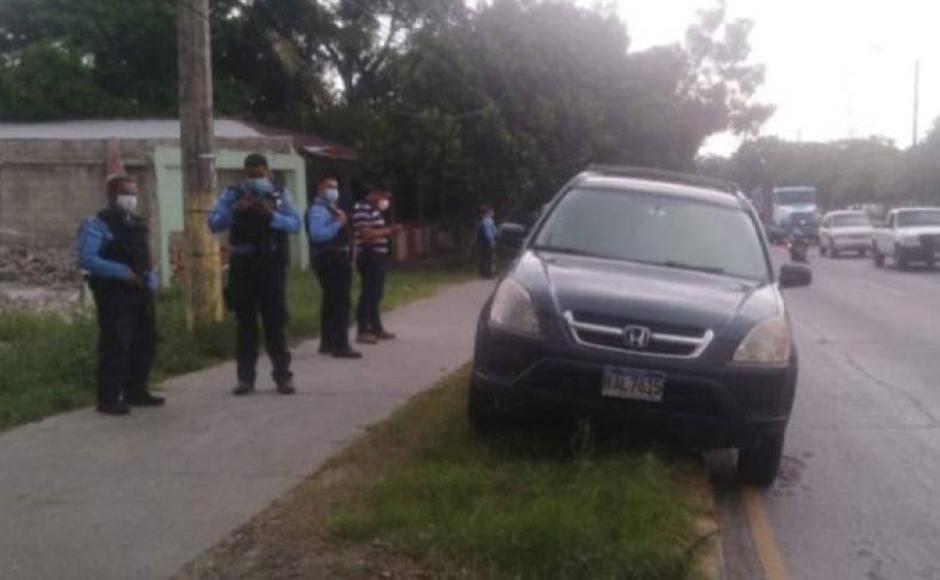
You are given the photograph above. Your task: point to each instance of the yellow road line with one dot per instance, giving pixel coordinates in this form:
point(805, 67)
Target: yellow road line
point(763, 534)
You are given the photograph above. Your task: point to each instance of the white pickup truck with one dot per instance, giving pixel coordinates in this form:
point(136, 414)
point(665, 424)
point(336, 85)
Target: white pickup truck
point(908, 235)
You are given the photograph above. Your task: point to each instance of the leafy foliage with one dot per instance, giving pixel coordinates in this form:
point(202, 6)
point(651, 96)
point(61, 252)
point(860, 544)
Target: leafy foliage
point(501, 103)
point(846, 172)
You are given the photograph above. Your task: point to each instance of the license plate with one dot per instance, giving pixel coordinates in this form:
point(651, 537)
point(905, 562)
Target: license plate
point(633, 384)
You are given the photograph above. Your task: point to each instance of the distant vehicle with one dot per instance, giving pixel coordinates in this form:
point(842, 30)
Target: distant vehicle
point(647, 298)
point(791, 206)
point(845, 231)
point(908, 235)
point(799, 240)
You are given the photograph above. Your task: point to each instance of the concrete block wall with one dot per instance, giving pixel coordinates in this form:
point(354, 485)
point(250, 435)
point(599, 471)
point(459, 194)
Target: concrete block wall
point(47, 186)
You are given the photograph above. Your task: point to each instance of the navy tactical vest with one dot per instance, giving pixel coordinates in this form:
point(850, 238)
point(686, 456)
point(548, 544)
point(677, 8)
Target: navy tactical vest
point(130, 243)
point(252, 229)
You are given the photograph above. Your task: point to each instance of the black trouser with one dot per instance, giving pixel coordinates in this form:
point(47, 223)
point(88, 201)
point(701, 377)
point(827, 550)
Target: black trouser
point(334, 270)
point(485, 252)
point(372, 268)
point(258, 285)
point(127, 338)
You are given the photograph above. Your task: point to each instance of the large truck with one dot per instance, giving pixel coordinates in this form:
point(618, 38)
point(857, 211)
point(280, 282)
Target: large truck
point(791, 207)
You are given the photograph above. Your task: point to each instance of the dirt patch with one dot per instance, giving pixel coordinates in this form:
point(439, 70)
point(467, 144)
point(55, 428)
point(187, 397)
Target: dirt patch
point(289, 541)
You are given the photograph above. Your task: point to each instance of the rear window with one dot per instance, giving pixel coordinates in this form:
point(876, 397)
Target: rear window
point(655, 229)
point(850, 221)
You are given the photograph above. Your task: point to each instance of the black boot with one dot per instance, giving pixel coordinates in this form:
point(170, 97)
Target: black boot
point(243, 388)
point(286, 387)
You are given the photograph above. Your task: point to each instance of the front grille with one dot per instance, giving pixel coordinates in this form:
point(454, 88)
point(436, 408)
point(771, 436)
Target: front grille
point(606, 332)
point(930, 241)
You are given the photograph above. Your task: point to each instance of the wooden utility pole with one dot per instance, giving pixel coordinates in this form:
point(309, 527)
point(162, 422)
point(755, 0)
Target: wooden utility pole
point(202, 271)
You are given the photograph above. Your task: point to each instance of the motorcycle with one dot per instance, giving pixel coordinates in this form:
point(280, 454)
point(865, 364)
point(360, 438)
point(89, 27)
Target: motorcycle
point(798, 244)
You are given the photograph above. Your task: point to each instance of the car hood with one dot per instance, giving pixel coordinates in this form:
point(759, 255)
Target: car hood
point(853, 231)
point(648, 294)
point(919, 230)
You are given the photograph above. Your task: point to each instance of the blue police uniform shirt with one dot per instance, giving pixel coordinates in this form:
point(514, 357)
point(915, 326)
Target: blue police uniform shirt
point(284, 216)
point(322, 225)
point(93, 234)
point(488, 227)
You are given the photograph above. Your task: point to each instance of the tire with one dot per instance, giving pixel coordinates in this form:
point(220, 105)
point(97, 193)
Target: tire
point(900, 259)
point(863, 253)
point(482, 412)
point(834, 253)
point(760, 465)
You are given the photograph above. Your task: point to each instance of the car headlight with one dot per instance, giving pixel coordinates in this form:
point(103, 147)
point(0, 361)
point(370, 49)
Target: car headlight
point(769, 342)
point(513, 310)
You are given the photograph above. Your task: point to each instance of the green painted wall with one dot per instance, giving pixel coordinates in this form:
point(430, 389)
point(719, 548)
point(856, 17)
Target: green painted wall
point(169, 193)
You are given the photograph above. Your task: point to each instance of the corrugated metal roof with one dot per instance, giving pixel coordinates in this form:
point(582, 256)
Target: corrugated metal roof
point(130, 129)
point(121, 129)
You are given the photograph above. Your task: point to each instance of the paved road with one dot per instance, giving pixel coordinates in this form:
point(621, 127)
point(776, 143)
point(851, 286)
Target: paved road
point(84, 496)
point(859, 492)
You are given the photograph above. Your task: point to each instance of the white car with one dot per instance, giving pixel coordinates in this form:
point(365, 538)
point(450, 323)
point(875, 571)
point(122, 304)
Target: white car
point(845, 231)
point(909, 235)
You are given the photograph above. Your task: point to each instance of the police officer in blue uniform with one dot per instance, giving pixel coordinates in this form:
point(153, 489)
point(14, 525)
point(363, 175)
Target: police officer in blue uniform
point(486, 241)
point(330, 243)
point(259, 217)
point(113, 247)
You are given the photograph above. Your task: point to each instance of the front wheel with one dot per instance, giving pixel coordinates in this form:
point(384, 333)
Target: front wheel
point(877, 257)
point(900, 258)
point(760, 465)
point(482, 411)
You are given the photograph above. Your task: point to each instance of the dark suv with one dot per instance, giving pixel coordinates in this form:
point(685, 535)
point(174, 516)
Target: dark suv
point(647, 297)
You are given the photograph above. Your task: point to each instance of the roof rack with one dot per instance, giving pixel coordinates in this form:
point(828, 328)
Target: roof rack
point(667, 176)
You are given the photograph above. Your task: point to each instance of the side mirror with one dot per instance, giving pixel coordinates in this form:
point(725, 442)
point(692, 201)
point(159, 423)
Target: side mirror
point(795, 276)
point(512, 235)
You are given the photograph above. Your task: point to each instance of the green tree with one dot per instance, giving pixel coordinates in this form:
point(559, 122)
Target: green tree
point(46, 81)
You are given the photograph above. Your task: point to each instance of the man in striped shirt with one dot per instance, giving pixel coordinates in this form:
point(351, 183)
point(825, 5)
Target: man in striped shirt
point(373, 249)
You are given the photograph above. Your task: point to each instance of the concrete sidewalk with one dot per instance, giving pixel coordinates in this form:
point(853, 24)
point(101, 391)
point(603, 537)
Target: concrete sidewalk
point(85, 496)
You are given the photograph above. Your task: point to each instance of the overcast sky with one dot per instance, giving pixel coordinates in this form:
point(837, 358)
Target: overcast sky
point(835, 68)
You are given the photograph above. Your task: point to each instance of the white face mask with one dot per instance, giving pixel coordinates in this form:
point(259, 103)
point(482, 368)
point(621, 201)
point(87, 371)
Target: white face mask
point(127, 203)
point(384, 204)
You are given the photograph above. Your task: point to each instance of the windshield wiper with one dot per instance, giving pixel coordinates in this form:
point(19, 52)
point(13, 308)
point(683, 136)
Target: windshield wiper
point(693, 267)
point(566, 250)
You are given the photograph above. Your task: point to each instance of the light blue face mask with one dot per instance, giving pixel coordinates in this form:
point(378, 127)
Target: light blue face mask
point(260, 185)
point(331, 196)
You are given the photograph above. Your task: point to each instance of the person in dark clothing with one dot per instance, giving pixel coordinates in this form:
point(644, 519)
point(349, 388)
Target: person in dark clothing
point(259, 217)
point(330, 242)
point(373, 248)
point(486, 241)
point(113, 247)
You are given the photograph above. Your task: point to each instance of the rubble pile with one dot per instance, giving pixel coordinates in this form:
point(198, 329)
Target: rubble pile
point(47, 267)
point(39, 280)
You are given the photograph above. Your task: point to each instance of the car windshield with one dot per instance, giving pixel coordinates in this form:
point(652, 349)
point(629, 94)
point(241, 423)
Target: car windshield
point(850, 221)
point(654, 229)
point(795, 197)
point(919, 218)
